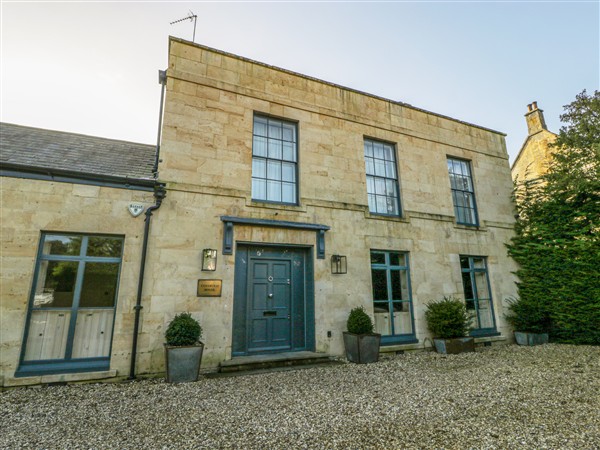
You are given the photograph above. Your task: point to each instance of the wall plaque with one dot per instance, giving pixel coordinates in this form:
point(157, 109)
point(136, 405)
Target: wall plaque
point(209, 288)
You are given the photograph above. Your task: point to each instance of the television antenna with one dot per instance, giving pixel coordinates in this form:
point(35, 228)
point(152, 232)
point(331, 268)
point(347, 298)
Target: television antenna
point(191, 17)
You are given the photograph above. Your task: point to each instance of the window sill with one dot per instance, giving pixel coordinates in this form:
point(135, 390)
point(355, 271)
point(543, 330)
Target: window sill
point(275, 205)
point(59, 378)
point(398, 340)
point(462, 226)
point(369, 215)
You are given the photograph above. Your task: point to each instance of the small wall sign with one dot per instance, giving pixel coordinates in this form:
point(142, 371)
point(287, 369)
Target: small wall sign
point(136, 209)
point(209, 288)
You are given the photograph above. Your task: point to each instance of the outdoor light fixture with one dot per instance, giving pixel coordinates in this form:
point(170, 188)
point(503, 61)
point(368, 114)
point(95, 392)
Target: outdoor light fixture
point(338, 264)
point(209, 259)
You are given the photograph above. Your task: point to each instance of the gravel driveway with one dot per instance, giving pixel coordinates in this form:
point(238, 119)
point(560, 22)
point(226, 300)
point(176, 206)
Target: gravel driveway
point(499, 397)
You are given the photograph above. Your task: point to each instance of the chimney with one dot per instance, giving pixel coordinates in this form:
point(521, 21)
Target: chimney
point(535, 119)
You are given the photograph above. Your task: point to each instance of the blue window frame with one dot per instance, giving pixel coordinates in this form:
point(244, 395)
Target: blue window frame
point(382, 178)
point(274, 161)
point(392, 299)
point(71, 309)
point(463, 193)
point(478, 296)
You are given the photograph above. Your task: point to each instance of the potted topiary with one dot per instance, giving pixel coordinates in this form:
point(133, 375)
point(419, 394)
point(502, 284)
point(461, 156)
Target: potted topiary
point(449, 322)
point(183, 349)
point(530, 322)
point(362, 345)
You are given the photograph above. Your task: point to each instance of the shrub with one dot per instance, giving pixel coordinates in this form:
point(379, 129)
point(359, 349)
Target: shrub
point(183, 330)
point(528, 316)
point(359, 322)
point(448, 318)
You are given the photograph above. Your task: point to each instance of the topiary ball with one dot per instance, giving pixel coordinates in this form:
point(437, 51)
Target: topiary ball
point(359, 322)
point(183, 330)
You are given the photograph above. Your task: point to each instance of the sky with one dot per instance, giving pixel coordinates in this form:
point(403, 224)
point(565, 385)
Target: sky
point(92, 67)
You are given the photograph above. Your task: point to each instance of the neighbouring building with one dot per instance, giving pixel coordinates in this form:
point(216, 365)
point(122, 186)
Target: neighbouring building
point(289, 201)
point(535, 154)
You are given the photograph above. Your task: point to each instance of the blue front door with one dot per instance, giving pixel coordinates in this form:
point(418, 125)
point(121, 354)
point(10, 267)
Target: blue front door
point(269, 316)
point(273, 308)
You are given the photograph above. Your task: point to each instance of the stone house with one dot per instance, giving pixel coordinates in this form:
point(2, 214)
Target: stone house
point(290, 200)
point(533, 158)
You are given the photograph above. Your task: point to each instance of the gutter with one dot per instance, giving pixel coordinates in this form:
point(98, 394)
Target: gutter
point(159, 195)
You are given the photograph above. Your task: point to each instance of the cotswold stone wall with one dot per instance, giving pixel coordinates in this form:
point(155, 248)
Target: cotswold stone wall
point(207, 162)
point(32, 206)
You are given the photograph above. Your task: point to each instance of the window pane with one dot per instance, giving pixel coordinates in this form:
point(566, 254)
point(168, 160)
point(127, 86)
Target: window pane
point(402, 319)
point(468, 287)
point(396, 259)
point(99, 285)
point(396, 285)
point(390, 169)
point(380, 291)
point(260, 126)
point(379, 168)
point(259, 147)
point(479, 263)
point(274, 191)
point(390, 188)
point(288, 172)
point(486, 318)
point(377, 258)
point(378, 150)
point(105, 246)
point(288, 192)
point(274, 149)
point(370, 166)
point(289, 151)
point(369, 149)
point(383, 318)
point(55, 285)
point(289, 132)
point(464, 262)
point(259, 189)
point(92, 333)
point(259, 167)
point(392, 206)
point(381, 204)
point(370, 185)
point(274, 129)
point(481, 285)
point(274, 170)
point(388, 153)
point(47, 337)
point(380, 186)
point(372, 203)
point(61, 245)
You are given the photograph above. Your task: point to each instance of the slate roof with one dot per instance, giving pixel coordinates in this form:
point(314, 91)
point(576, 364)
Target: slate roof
point(24, 148)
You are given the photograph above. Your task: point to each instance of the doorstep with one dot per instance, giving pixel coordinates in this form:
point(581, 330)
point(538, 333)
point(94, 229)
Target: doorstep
point(274, 360)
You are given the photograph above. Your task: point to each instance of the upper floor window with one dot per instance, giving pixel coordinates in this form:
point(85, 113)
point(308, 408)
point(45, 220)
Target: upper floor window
point(463, 194)
point(274, 161)
point(382, 178)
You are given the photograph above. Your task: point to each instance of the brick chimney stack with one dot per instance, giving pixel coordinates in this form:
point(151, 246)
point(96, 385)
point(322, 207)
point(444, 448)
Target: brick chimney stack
point(535, 119)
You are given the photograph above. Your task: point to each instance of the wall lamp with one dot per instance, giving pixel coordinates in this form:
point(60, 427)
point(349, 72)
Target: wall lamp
point(209, 259)
point(338, 264)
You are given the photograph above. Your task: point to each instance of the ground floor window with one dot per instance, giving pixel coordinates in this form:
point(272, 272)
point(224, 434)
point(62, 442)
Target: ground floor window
point(392, 300)
point(478, 296)
point(72, 305)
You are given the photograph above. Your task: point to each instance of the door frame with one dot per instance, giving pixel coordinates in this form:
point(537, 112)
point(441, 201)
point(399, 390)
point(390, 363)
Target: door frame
point(306, 304)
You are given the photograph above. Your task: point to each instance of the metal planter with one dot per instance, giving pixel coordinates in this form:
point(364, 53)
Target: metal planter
point(183, 363)
point(362, 348)
point(455, 345)
point(525, 338)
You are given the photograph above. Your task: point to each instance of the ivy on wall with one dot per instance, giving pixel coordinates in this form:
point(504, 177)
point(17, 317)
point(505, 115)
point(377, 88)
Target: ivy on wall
point(557, 242)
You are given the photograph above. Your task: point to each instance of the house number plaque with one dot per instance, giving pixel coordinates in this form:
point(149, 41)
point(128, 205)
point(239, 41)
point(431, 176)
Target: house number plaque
point(209, 288)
